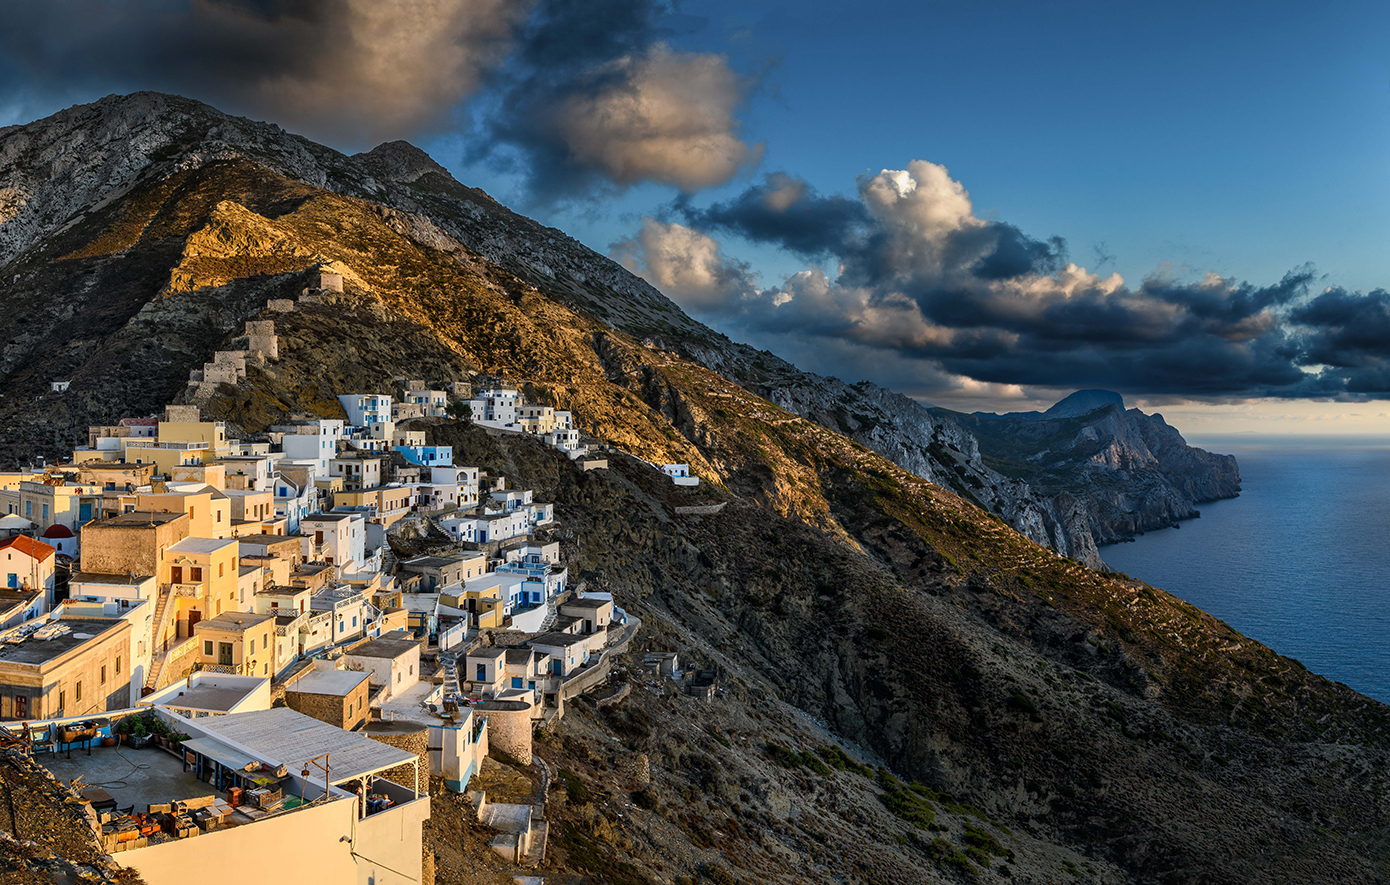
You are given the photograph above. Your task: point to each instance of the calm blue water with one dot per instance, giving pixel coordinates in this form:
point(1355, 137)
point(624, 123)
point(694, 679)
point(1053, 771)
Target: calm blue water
point(1300, 561)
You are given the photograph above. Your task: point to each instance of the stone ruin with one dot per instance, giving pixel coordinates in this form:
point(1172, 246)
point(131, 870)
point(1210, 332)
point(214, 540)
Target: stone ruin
point(229, 366)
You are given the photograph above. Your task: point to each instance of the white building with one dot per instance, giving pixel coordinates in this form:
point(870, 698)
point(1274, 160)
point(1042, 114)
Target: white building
point(293, 502)
point(366, 409)
point(497, 405)
point(680, 474)
point(336, 538)
point(313, 441)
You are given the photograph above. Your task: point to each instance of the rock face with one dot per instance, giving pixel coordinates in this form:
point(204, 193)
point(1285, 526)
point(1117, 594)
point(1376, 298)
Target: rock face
point(76, 169)
point(1128, 472)
point(1096, 724)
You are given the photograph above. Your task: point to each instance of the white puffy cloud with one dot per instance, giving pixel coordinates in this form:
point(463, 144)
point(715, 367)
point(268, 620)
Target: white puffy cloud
point(664, 116)
point(687, 266)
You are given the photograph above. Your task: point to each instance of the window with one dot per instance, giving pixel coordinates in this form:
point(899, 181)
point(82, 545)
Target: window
point(62, 701)
point(45, 511)
point(118, 665)
point(77, 690)
point(516, 682)
point(221, 569)
point(196, 574)
point(28, 508)
point(103, 674)
point(354, 620)
point(207, 648)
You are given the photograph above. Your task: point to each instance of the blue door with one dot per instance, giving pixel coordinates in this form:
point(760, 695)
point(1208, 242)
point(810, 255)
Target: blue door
point(84, 512)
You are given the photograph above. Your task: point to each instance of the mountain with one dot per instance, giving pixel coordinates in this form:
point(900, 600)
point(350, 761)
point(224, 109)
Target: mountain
point(1072, 406)
point(912, 690)
point(1128, 472)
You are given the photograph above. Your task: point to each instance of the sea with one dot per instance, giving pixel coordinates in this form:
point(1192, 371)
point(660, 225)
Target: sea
point(1300, 561)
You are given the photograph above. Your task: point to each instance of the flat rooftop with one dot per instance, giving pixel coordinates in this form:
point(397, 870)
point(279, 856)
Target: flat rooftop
point(136, 518)
point(558, 639)
point(100, 578)
point(218, 698)
point(411, 705)
point(235, 621)
point(265, 540)
point(201, 545)
point(331, 682)
point(277, 590)
point(385, 648)
point(586, 603)
point(132, 777)
point(37, 652)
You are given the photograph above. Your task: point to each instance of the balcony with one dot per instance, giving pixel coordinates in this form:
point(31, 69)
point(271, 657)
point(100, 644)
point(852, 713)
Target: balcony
point(184, 591)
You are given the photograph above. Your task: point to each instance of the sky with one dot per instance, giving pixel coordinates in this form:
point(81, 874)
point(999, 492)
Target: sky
point(985, 205)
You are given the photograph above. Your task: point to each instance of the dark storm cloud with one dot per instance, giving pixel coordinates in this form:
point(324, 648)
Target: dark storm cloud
point(785, 211)
point(1349, 334)
point(349, 70)
point(595, 98)
point(1015, 254)
point(921, 280)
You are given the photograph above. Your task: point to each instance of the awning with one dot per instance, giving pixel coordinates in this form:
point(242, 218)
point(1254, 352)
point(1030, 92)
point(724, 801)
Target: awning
point(222, 754)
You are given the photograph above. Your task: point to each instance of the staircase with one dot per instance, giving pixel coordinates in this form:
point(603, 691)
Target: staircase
point(162, 610)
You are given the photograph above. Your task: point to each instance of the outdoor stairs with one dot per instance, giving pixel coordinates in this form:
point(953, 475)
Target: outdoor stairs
point(550, 613)
point(162, 608)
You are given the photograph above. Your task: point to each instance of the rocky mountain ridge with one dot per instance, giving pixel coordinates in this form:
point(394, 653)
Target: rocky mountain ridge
point(59, 171)
point(1091, 727)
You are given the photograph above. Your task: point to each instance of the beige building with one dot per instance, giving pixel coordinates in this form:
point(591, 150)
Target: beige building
point(74, 667)
point(393, 663)
point(202, 576)
point(183, 424)
point(240, 643)
point(209, 510)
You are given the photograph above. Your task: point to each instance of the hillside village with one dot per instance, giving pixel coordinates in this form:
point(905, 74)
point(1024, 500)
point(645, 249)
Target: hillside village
point(316, 620)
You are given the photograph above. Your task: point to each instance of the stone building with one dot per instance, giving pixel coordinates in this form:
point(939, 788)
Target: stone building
point(338, 697)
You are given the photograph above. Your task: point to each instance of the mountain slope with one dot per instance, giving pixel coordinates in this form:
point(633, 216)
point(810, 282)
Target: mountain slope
point(1081, 715)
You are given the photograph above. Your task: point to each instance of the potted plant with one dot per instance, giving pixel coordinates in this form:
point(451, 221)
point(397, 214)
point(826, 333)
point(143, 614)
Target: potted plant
point(139, 732)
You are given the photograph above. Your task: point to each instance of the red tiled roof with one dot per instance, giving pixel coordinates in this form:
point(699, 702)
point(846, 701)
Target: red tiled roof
point(28, 546)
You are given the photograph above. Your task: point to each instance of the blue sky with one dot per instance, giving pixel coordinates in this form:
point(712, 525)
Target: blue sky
point(1227, 161)
point(1243, 139)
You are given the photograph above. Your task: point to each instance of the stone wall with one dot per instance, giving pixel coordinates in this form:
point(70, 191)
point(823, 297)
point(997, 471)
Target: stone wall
point(413, 737)
point(333, 709)
point(508, 727)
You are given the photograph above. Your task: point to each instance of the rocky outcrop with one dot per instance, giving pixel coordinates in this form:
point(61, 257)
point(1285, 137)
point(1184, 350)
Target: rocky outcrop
point(1123, 471)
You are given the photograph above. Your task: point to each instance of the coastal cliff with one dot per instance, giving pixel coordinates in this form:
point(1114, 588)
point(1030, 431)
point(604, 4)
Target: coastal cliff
point(1130, 472)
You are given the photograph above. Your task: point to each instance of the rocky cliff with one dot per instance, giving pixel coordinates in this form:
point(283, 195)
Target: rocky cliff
point(1128, 472)
point(1090, 727)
